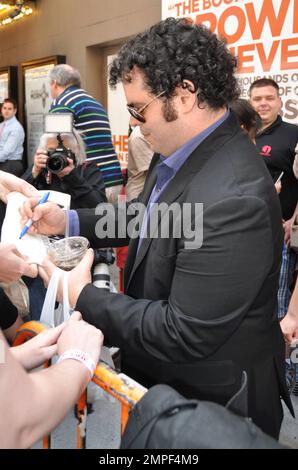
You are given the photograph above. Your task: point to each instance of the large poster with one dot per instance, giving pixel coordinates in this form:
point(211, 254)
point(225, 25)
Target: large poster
point(37, 104)
point(263, 34)
point(4, 93)
point(119, 121)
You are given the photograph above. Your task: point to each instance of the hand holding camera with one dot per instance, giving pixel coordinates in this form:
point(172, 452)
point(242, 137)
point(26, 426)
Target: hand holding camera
point(60, 160)
point(68, 169)
point(40, 161)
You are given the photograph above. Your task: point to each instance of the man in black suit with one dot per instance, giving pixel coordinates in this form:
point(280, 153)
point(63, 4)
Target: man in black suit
point(196, 312)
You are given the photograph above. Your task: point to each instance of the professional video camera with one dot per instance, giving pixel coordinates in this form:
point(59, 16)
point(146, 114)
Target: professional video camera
point(57, 158)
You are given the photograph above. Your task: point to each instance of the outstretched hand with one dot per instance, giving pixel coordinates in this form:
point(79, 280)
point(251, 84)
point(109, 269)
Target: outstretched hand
point(79, 277)
point(14, 265)
point(81, 335)
point(39, 349)
point(9, 183)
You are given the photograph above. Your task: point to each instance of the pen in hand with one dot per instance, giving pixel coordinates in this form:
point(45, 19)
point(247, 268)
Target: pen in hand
point(44, 199)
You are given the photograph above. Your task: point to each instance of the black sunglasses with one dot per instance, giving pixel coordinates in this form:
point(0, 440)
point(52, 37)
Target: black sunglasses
point(137, 113)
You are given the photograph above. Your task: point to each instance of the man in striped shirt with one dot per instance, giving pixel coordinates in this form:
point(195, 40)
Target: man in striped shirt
point(91, 119)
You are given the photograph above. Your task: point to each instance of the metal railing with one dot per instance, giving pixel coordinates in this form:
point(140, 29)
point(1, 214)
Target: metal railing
point(121, 387)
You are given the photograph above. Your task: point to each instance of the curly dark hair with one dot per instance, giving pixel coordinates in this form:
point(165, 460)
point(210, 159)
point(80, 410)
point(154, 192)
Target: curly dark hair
point(175, 50)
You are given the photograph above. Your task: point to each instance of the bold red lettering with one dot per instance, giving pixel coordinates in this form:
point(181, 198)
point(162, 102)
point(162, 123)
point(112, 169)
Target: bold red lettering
point(187, 7)
point(232, 11)
point(275, 23)
point(242, 59)
point(210, 17)
point(178, 5)
point(117, 143)
point(267, 61)
point(286, 53)
point(295, 17)
point(125, 143)
point(195, 6)
point(206, 4)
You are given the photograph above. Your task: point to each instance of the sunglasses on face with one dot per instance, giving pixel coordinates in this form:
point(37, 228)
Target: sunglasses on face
point(138, 113)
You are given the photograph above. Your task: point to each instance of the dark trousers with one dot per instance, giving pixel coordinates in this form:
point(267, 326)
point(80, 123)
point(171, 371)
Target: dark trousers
point(14, 167)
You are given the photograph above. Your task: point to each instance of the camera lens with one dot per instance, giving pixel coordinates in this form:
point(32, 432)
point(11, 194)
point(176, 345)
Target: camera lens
point(56, 162)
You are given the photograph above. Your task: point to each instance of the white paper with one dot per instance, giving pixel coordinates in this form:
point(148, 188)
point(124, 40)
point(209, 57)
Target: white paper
point(33, 246)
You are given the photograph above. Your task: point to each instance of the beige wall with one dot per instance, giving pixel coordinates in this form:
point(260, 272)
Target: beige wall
point(83, 30)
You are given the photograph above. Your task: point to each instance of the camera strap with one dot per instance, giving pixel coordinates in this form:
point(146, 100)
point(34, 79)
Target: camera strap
point(48, 177)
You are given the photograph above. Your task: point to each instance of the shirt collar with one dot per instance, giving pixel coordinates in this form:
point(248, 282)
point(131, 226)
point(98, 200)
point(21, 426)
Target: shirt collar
point(268, 129)
point(8, 121)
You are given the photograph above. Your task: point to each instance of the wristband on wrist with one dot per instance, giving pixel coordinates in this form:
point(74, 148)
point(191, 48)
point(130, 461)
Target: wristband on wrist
point(80, 356)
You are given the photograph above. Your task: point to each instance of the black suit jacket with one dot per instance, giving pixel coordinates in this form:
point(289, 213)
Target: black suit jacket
point(196, 318)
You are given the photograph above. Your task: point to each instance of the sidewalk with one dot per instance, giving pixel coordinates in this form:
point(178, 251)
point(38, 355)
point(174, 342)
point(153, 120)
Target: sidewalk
point(103, 427)
point(289, 430)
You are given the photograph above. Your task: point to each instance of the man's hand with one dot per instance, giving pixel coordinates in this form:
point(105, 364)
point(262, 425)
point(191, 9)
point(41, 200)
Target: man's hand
point(289, 327)
point(79, 277)
point(9, 183)
point(278, 187)
point(287, 229)
point(40, 162)
point(48, 218)
point(13, 264)
point(39, 349)
point(78, 334)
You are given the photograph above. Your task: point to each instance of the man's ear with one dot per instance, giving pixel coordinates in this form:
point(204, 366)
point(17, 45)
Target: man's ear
point(188, 85)
point(187, 95)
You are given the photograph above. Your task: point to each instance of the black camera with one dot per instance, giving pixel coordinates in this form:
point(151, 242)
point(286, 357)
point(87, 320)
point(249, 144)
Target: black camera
point(106, 256)
point(57, 158)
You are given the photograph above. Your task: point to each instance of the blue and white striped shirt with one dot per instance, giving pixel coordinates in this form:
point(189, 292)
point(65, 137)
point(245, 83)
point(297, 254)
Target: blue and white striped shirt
point(91, 119)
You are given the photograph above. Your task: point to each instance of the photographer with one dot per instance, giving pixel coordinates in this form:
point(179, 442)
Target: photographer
point(61, 166)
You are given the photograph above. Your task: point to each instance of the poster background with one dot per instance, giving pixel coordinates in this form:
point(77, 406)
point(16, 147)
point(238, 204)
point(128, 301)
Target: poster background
point(263, 34)
point(37, 104)
point(119, 120)
point(3, 86)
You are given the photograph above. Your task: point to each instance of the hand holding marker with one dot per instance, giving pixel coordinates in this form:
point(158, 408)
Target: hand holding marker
point(44, 199)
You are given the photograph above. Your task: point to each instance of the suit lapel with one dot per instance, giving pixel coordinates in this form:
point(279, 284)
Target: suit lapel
point(196, 161)
point(149, 185)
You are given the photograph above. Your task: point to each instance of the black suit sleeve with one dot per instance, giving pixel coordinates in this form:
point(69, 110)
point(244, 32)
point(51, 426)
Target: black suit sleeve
point(108, 225)
point(212, 289)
